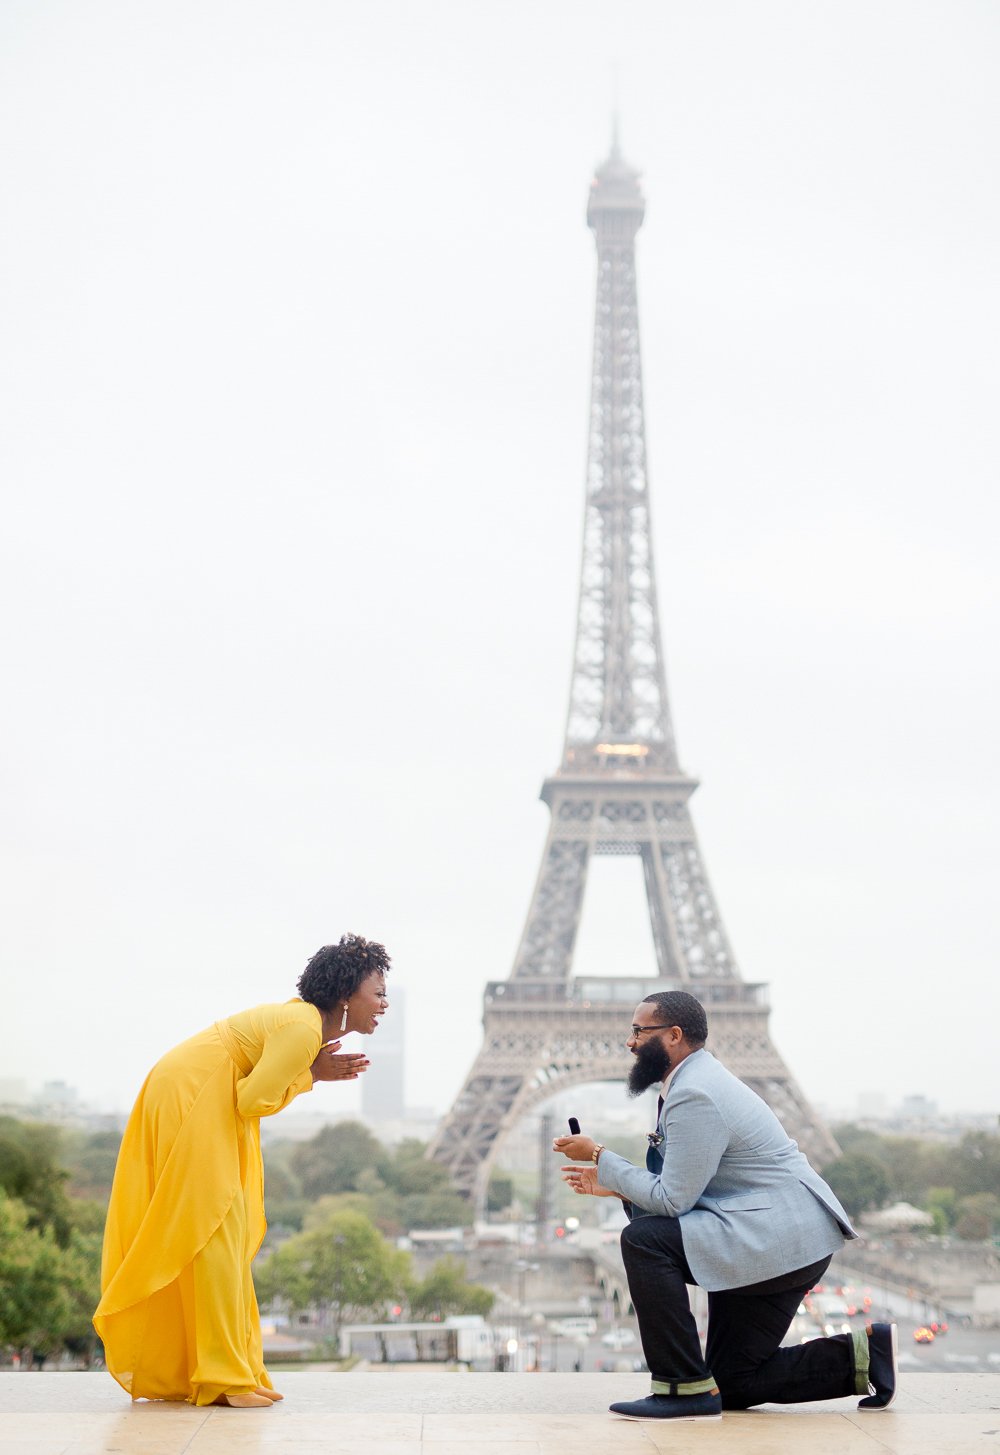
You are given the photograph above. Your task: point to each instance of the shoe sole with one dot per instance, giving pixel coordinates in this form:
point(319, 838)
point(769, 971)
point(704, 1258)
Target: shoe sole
point(663, 1419)
point(894, 1347)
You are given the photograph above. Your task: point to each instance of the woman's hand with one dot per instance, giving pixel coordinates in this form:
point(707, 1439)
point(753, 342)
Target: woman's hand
point(584, 1181)
point(581, 1149)
point(328, 1066)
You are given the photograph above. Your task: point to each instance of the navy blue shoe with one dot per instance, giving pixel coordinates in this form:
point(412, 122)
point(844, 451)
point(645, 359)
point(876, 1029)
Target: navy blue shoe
point(883, 1367)
point(671, 1407)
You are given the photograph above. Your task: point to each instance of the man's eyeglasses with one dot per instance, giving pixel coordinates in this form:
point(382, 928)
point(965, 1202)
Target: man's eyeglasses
point(638, 1030)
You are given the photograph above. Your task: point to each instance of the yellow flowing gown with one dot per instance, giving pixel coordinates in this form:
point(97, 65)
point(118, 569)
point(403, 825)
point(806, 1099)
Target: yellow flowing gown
point(178, 1314)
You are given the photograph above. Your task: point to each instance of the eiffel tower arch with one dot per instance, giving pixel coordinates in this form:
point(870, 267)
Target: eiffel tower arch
point(619, 789)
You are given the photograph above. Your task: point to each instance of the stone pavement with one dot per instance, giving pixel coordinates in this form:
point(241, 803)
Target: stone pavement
point(411, 1413)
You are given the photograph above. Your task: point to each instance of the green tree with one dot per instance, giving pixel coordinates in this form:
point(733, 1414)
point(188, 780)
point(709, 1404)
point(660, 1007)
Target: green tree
point(940, 1203)
point(340, 1265)
point(427, 1196)
point(977, 1164)
point(901, 1160)
point(977, 1217)
point(30, 1172)
point(47, 1292)
point(500, 1193)
point(402, 1188)
point(912, 1167)
point(335, 1158)
point(446, 1291)
point(411, 1172)
point(443, 1208)
point(852, 1138)
point(81, 1275)
point(90, 1159)
point(320, 1213)
point(859, 1181)
point(284, 1218)
point(281, 1182)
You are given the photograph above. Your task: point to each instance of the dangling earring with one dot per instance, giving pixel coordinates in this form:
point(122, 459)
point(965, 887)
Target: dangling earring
point(343, 1023)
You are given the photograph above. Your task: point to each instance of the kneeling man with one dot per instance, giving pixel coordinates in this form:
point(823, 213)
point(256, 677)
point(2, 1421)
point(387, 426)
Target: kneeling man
point(726, 1201)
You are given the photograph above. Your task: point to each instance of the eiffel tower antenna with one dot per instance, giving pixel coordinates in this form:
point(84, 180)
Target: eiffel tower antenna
point(619, 789)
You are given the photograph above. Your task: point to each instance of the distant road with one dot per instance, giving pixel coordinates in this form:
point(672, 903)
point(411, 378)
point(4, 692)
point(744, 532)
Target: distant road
point(963, 1350)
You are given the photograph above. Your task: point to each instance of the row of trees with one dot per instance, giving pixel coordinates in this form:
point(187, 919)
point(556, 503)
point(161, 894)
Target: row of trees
point(337, 1199)
point(333, 1203)
point(397, 1188)
point(957, 1183)
point(50, 1248)
point(343, 1268)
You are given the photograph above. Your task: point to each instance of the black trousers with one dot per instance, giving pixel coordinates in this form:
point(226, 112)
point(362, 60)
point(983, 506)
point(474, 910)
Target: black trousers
point(745, 1327)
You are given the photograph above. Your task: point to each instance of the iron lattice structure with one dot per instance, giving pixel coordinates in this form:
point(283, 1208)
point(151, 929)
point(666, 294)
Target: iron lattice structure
point(618, 790)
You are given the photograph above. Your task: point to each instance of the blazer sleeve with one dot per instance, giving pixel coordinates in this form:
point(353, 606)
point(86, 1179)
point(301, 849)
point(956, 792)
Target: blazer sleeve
point(696, 1136)
point(282, 1073)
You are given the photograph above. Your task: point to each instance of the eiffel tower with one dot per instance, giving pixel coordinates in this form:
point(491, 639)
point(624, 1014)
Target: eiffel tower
point(618, 790)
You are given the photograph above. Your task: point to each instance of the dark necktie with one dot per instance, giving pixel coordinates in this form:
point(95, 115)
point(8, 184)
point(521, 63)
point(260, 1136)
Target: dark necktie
point(654, 1157)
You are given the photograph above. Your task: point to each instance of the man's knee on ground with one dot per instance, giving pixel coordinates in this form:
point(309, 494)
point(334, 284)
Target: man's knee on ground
point(735, 1393)
point(735, 1378)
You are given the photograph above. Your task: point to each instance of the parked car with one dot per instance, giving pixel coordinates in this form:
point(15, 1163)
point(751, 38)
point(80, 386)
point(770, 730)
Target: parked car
point(618, 1338)
point(575, 1326)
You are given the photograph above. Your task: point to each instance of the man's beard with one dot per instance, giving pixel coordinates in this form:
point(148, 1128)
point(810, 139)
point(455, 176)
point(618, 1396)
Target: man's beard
point(651, 1064)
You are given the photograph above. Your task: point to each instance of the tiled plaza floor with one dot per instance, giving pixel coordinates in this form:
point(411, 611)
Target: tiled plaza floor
point(482, 1414)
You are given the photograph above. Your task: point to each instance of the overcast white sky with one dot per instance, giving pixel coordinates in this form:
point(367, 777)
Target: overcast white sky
point(295, 314)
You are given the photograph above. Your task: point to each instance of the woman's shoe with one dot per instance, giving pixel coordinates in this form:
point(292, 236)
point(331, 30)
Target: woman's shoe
point(271, 1395)
point(246, 1401)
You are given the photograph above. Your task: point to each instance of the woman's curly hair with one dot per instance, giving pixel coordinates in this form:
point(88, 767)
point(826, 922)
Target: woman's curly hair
point(335, 972)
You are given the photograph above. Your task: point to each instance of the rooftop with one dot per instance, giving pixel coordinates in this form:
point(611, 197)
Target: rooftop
point(416, 1413)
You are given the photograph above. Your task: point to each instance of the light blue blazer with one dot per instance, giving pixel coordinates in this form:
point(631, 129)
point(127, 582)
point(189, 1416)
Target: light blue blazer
point(749, 1204)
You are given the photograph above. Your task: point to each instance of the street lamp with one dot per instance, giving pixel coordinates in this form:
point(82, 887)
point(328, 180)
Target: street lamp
point(522, 1266)
point(338, 1276)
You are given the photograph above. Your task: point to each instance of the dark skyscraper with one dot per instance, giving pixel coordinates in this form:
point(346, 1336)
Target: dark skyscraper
point(383, 1096)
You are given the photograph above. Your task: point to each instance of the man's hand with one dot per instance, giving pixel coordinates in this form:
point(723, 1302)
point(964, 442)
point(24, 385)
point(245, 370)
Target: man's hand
point(584, 1181)
point(581, 1149)
point(328, 1066)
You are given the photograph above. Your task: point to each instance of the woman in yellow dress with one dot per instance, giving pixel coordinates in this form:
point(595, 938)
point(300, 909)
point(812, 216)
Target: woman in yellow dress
point(178, 1313)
